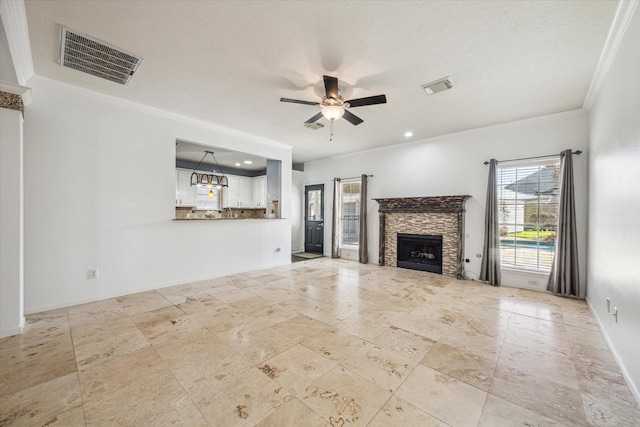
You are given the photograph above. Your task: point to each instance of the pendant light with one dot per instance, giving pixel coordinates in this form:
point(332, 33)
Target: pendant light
point(209, 179)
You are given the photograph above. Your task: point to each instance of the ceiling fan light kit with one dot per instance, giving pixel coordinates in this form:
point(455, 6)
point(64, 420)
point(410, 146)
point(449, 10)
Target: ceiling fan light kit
point(438, 86)
point(333, 107)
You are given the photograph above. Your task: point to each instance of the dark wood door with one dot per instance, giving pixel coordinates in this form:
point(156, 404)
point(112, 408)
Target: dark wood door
point(314, 218)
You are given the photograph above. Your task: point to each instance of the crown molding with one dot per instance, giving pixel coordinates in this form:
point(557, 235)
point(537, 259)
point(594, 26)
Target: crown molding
point(14, 19)
point(621, 19)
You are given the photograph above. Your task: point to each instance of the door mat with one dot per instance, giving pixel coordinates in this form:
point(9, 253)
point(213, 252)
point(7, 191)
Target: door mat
point(307, 255)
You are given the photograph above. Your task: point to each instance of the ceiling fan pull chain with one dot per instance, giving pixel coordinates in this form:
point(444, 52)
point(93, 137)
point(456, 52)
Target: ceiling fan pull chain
point(331, 127)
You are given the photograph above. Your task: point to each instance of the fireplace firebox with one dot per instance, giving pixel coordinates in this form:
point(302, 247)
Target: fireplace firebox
point(420, 252)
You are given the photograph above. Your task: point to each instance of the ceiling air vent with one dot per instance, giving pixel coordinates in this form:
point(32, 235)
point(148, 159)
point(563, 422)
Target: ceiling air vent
point(438, 86)
point(95, 57)
point(314, 126)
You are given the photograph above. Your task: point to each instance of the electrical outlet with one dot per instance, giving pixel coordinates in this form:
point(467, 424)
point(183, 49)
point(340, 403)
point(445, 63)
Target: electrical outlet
point(93, 274)
point(533, 282)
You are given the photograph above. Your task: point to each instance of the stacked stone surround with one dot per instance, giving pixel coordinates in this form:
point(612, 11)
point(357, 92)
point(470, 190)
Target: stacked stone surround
point(441, 215)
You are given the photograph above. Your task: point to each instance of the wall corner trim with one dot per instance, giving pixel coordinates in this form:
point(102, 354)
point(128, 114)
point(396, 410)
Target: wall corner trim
point(619, 25)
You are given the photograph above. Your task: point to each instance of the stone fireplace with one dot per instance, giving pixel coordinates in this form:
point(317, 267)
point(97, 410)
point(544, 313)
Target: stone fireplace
point(438, 217)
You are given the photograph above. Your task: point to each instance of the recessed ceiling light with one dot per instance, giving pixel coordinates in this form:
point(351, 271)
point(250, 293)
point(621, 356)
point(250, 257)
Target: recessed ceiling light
point(408, 134)
point(248, 162)
point(237, 164)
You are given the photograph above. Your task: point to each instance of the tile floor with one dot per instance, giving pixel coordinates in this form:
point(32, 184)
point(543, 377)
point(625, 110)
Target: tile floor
point(317, 343)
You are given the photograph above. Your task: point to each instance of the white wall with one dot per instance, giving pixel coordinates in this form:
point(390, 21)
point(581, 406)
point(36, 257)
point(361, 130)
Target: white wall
point(614, 204)
point(11, 223)
point(100, 193)
point(453, 165)
point(297, 211)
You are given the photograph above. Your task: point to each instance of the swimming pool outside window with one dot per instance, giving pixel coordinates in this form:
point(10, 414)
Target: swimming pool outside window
point(528, 213)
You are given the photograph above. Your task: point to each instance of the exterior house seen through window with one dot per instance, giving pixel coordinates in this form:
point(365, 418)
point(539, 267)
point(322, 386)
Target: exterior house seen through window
point(528, 195)
point(349, 213)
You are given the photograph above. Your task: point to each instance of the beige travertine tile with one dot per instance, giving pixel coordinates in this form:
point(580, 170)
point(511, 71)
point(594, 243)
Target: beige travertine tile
point(174, 352)
point(334, 344)
point(398, 412)
point(185, 413)
point(42, 402)
point(300, 327)
point(362, 327)
point(465, 337)
point(105, 378)
point(341, 396)
point(463, 365)
point(548, 398)
point(412, 346)
point(93, 332)
point(430, 327)
point(112, 347)
point(256, 346)
point(243, 399)
point(142, 302)
point(604, 384)
point(166, 324)
point(580, 321)
point(250, 305)
point(296, 368)
point(500, 413)
point(199, 303)
point(539, 362)
point(72, 417)
point(34, 362)
point(219, 318)
point(552, 364)
point(442, 396)
point(98, 311)
point(293, 413)
point(137, 402)
point(382, 367)
point(603, 412)
point(39, 327)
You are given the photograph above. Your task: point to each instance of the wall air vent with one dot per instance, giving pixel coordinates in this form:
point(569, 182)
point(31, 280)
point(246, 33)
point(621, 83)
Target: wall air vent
point(314, 126)
point(438, 86)
point(95, 57)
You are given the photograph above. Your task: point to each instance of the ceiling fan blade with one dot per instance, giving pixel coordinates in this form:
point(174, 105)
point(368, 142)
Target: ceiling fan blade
point(352, 118)
point(314, 118)
point(331, 87)
point(297, 101)
point(370, 100)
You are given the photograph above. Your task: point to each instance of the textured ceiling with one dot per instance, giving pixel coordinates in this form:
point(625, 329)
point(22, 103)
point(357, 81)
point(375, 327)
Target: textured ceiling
point(230, 62)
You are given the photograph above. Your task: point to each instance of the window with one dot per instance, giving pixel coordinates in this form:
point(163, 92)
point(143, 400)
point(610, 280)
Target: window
point(349, 213)
point(528, 211)
point(208, 199)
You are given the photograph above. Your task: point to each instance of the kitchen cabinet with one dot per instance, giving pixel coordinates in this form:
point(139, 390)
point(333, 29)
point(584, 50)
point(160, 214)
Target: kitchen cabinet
point(185, 193)
point(238, 193)
point(259, 191)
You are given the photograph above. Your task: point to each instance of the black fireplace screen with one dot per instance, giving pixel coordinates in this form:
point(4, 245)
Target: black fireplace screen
point(420, 252)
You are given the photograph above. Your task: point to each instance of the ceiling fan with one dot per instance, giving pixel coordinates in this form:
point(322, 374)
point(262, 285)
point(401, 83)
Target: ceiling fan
point(333, 107)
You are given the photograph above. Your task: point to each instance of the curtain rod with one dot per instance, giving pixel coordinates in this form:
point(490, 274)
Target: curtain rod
point(352, 177)
point(577, 153)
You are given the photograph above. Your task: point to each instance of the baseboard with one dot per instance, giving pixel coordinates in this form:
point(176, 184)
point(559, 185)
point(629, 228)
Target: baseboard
point(94, 298)
point(13, 331)
point(632, 386)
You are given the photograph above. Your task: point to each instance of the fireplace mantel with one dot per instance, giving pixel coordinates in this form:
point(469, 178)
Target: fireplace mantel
point(435, 204)
point(438, 215)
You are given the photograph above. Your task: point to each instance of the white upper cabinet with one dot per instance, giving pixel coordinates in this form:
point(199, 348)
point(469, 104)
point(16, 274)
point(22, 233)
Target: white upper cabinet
point(259, 191)
point(185, 193)
point(238, 194)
